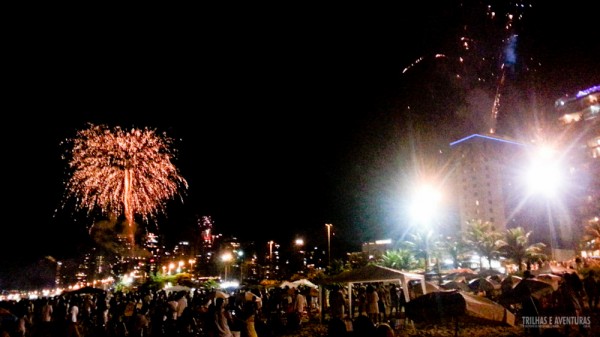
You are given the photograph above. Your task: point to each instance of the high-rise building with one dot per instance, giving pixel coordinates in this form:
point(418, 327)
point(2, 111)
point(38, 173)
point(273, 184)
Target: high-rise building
point(580, 138)
point(489, 185)
point(482, 177)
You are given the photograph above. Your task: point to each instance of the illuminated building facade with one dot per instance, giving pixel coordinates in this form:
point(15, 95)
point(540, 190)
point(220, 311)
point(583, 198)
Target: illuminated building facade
point(482, 178)
point(580, 129)
point(487, 171)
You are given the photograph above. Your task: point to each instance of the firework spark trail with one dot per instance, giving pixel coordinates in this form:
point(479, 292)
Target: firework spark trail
point(510, 58)
point(417, 61)
point(471, 56)
point(496, 105)
point(120, 172)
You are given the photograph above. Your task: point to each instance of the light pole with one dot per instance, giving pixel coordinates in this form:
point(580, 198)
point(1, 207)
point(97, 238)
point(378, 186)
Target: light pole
point(299, 243)
point(328, 225)
point(271, 268)
point(192, 261)
point(240, 255)
point(271, 251)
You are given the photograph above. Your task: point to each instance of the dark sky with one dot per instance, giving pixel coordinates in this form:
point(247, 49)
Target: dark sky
point(283, 120)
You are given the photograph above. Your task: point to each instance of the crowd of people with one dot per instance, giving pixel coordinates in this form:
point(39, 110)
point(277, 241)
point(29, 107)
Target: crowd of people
point(377, 309)
point(157, 313)
point(382, 305)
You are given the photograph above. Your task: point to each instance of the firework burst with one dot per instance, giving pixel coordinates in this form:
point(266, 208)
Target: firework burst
point(123, 172)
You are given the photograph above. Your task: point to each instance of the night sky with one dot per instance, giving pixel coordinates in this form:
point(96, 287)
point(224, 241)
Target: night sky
point(283, 122)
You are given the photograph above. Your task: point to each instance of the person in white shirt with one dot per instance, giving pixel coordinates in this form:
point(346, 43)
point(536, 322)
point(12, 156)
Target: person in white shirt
point(182, 303)
point(73, 327)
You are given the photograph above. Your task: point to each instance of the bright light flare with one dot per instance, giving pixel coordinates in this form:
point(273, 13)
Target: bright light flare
point(544, 176)
point(425, 203)
point(226, 257)
point(229, 284)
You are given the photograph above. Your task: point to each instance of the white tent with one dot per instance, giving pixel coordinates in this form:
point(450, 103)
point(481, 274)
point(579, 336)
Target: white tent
point(287, 284)
point(372, 273)
point(304, 282)
point(177, 288)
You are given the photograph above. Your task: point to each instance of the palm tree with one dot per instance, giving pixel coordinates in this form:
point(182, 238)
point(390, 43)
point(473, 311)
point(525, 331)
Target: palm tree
point(516, 247)
point(455, 247)
point(402, 259)
point(481, 237)
point(591, 238)
point(422, 246)
point(336, 266)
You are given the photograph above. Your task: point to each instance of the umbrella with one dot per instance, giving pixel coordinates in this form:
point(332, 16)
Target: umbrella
point(218, 294)
point(440, 306)
point(459, 270)
point(510, 281)
point(489, 272)
point(534, 287)
point(507, 288)
point(460, 276)
point(552, 269)
point(483, 284)
point(554, 280)
point(455, 285)
point(7, 316)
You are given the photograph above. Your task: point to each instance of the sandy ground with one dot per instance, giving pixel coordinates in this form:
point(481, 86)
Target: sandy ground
point(315, 329)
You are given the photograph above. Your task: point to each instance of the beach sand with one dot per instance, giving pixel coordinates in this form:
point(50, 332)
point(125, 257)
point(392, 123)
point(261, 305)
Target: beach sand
point(467, 329)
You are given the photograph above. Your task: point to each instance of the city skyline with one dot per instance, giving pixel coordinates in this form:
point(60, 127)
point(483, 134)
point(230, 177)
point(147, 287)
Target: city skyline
point(278, 133)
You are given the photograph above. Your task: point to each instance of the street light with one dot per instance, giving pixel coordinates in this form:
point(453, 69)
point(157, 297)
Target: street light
point(271, 267)
point(226, 257)
point(547, 178)
point(423, 211)
point(299, 243)
point(328, 225)
point(544, 176)
point(271, 250)
point(240, 254)
point(425, 203)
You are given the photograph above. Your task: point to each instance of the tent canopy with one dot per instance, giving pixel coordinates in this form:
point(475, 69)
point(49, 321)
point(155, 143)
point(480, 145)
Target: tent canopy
point(372, 273)
point(177, 288)
point(304, 282)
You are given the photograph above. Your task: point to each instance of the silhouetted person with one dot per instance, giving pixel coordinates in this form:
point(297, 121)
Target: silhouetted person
point(336, 328)
point(591, 289)
point(363, 327)
point(530, 312)
point(384, 330)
